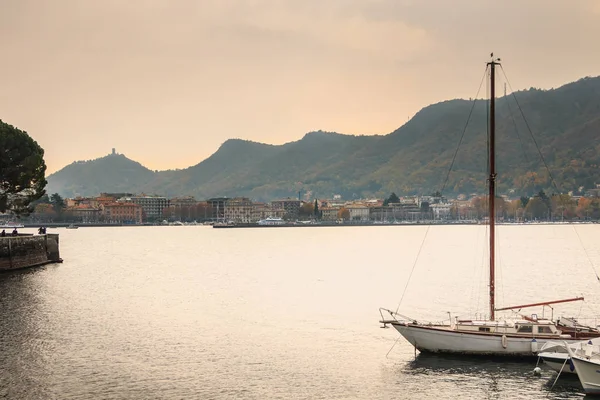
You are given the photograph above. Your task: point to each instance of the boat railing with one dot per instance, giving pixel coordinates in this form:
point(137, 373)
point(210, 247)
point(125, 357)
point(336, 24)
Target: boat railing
point(395, 317)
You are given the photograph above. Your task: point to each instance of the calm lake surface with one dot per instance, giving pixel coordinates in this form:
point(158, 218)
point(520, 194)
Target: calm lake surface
point(199, 313)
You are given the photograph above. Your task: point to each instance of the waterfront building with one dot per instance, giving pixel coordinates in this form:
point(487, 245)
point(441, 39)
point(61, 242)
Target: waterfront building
point(152, 206)
point(358, 212)
point(290, 207)
point(441, 210)
point(259, 211)
point(335, 203)
point(239, 209)
point(329, 213)
point(382, 213)
point(409, 200)
point(403, 211)
point(183, 201)
point(84, 213)
point(217, 207)
point(123, 212)
point(78, 201)
point(262, 211)
point(102, 200)
point(116, 195)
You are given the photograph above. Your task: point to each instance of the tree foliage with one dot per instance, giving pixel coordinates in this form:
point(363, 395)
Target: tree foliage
point(306, 210)
point(524, 200)
point(536, 208)
point(392, 199)
point(22, 170)
point(58, 203)
point(344, 214)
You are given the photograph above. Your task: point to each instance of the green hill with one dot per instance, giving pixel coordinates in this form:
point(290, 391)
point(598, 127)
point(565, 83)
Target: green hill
point(413, 159)
point(111, 173)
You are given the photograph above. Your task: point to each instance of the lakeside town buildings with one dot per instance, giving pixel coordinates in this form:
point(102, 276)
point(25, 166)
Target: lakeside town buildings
point(130, 208)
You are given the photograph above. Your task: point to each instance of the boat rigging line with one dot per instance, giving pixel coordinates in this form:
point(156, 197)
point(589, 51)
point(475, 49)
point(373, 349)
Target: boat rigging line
point(547, 168)
point(512, 117)
point(413, 267)
point(530, 132)
point(464, 131)
point(445, 182)
point(587, 254)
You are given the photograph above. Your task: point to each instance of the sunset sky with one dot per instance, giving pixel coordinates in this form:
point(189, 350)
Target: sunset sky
point(166, 82)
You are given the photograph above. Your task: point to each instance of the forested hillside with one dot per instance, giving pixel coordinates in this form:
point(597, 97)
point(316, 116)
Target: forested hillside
point(565, 124)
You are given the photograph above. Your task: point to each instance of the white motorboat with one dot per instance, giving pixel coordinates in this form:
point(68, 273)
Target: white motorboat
point(521, 337)
point(556, 356)
point(587, 366)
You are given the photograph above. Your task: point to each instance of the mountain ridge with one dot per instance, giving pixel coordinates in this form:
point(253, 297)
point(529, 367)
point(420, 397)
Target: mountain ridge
point(414, 158)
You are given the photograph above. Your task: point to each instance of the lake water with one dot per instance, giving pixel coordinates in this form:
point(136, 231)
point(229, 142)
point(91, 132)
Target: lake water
point(201, 313)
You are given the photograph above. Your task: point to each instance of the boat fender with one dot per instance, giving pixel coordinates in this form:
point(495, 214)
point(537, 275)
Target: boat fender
point(571, 365)
point(534, 346)
point(588, 350)
point(504, 341)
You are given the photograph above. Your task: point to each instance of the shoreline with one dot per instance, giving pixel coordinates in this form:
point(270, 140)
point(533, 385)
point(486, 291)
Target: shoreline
point(424, 223)
point(301, 225)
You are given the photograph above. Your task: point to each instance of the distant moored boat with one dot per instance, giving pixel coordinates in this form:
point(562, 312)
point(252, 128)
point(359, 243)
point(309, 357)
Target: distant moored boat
point(271, 221)
point(11, 225)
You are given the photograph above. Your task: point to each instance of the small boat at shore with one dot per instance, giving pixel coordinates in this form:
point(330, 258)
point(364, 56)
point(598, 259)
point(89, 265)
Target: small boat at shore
point(72, 227)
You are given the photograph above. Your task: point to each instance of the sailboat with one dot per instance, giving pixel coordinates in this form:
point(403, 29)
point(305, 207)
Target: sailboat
point(520, 337)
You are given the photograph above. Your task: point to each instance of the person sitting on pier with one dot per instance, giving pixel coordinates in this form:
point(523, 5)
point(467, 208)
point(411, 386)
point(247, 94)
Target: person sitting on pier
point(40, 230)
point(3, 233)
point(15, 233)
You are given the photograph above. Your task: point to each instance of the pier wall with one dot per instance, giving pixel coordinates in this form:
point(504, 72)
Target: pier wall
point(18, 252)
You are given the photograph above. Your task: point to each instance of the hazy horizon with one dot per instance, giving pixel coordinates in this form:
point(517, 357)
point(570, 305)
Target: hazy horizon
point(166, 83)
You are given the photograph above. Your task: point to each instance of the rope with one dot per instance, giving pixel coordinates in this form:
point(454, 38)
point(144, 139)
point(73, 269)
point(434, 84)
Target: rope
point(413, 268)
point(586, 254)
point(475, 274)
point(530, 132)
point(557, 376)
point(391, 348)
point(463, 132)
point(499, 267)
point(487, 127)
point(517, 131)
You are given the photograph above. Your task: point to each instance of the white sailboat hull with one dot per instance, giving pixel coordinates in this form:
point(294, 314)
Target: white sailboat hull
point(445, 340)
point(588, 373)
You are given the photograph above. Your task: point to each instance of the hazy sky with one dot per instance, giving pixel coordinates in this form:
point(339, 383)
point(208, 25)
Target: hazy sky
point(166, 82)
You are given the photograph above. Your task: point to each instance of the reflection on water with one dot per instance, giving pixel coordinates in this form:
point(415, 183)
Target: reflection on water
point(492, 378)
point(194, 312)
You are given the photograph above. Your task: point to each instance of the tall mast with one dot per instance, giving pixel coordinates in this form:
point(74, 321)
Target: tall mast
point(492, 181)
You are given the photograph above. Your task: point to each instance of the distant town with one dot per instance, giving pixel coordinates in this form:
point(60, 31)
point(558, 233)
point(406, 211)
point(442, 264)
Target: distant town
point(140, 209)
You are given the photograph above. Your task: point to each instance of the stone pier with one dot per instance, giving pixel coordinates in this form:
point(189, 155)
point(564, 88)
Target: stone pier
point(26, 251)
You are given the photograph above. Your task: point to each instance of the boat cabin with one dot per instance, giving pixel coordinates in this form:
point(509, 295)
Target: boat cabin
point(539, 328)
